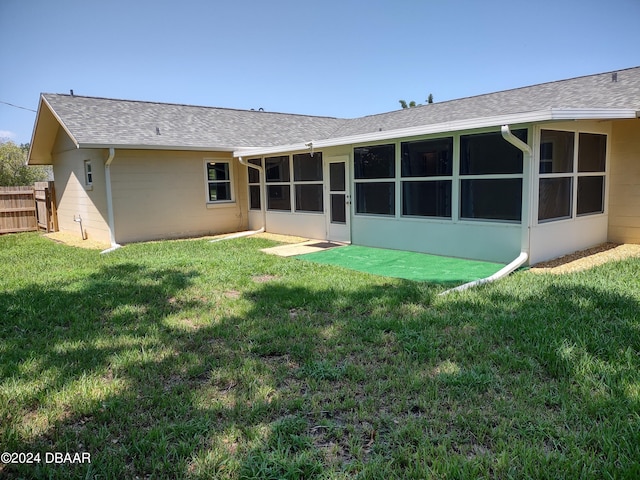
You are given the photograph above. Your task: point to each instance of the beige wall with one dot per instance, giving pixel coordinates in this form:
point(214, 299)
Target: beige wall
point(624, 182)
point(73, 198)
point(162, 194)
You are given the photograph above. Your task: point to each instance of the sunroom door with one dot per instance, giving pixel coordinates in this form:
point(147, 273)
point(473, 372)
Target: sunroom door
point(338, 199)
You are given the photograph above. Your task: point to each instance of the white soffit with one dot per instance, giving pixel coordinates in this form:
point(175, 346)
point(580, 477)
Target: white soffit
point(454, 126)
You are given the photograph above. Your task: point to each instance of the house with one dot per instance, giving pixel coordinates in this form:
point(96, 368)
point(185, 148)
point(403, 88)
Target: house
point(546, 170)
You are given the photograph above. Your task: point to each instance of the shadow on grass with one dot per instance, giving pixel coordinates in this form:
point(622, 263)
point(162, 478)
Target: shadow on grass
point(303, 381)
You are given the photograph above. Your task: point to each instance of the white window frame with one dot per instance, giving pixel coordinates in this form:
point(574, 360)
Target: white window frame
point(279, 183)
point(88, 175)
point(460, 177)
point(574, 174)
point(394, 180)
point(431, 178)
point(295, 183)
point(255, 184)
point(230, 181)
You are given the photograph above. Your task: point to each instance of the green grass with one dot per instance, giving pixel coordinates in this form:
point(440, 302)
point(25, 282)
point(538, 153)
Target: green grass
point(215, 361)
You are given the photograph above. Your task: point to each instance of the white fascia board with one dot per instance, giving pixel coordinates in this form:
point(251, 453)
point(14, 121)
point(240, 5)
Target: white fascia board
point(454, 126)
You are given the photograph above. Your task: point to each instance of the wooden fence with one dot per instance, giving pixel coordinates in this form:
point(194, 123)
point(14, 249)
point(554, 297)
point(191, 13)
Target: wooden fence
point(25, 209)
point(45, 195)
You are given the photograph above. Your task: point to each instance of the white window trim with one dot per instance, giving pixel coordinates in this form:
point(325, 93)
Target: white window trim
point(291, 184)
point(456, 179)
point(88, 175)
point(259, 184)
point(213, 203)
point(574, 174)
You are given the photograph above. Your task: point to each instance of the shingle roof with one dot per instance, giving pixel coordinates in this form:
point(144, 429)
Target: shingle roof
point(100, 121)
point(594, 91)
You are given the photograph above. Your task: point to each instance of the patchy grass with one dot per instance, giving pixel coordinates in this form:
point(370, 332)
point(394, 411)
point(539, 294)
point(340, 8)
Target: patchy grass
point(213, 360)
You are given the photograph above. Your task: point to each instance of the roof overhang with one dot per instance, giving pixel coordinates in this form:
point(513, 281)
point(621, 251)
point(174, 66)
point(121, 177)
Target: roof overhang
point(44, 135)
point(551, 114)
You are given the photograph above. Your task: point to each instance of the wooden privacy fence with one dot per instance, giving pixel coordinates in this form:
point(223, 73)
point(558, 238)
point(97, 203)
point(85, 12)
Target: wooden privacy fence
point(25, 209)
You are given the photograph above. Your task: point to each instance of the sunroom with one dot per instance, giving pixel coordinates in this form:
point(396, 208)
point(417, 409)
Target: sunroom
point(475, 194)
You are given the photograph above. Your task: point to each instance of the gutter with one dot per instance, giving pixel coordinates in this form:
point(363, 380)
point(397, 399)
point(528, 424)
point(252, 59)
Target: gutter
point(263, 205)
point(110, 216)
point(524, 254)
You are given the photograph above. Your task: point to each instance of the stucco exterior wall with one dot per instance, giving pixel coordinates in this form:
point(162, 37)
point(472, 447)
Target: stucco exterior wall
point(624, 182)
point(74, 199)
point(163, 194)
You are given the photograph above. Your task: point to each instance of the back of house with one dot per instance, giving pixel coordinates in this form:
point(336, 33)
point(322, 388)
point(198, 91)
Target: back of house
point(546, 169)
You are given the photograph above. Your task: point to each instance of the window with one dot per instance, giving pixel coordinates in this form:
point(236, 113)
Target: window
point(556, 151)
point(376, 198)
point(554, 198)
point(88, 174)
point(278, 183)
point(427, 158)
point(375, 162)
point(427, 199)
point(592, 152)
point(568, 182)
point(255, 202)
point(426, 162)
point(590, 195)
point(491, 177)
point(489, 153)
point(305, 185)
point(218, 174)
point(279, 197)
point(374, 178)
point(492, 199)
point(592, 155)
point(277, 169)
point(307, 178)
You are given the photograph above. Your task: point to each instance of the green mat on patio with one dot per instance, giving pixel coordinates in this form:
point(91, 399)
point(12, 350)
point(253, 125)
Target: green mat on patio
point(408, 265)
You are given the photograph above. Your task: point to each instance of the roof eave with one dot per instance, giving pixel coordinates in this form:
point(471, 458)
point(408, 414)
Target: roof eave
point(545, 115)
point(36, 155)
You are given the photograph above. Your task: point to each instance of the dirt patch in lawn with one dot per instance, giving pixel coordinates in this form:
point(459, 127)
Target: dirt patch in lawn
point(76, 241)
point(263, 278)
point(588, 258)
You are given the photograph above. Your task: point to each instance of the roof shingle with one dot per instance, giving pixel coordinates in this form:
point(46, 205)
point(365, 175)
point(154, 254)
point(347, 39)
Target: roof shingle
point(101, 122)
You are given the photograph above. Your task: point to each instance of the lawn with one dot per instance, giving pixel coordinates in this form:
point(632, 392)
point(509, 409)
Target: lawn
point(214, 360)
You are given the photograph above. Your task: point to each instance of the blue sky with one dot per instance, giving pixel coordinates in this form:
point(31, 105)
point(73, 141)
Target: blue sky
point(343, 58)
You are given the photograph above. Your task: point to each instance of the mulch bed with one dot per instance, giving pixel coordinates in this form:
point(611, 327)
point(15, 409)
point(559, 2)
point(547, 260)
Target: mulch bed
point(588, 258)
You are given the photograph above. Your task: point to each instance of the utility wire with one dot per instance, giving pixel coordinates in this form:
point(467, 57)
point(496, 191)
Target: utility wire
point(17, 106)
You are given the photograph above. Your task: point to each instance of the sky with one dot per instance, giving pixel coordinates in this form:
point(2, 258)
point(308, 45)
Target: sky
point(339, 58)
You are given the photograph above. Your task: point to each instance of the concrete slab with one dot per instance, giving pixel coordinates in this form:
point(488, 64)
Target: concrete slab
point(310, 246)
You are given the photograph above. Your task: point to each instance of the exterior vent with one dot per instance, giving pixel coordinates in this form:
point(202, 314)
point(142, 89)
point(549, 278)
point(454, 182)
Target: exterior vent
point(614, 77)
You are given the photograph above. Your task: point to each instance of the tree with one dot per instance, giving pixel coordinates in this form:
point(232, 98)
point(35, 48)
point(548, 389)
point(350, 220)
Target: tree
point(13, 168)
point(412, 103)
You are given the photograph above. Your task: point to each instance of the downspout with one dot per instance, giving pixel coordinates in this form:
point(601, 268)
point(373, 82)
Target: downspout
point(263, 205)
point(524, 245)
point(110, 217)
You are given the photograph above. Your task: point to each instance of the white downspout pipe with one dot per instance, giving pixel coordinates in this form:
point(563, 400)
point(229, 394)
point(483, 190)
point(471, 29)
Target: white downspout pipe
point(110, 217)
point(503, 272)
point(524, 254)
point(515, 141)
point(263, 205)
